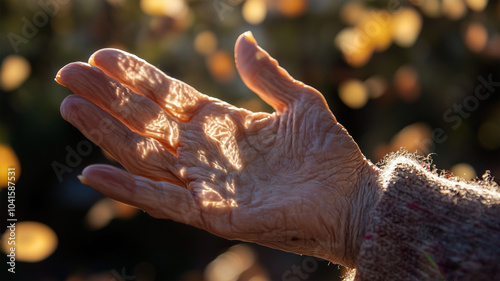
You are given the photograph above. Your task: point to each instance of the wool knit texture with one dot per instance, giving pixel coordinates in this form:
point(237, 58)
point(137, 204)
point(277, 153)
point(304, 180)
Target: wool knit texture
point(431, 227)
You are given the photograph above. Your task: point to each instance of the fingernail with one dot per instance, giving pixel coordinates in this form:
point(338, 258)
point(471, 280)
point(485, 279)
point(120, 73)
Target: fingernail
point(82, 179)
point(250, 48)
point(58, 77)
point(250, 38)
point(258, 54)
point(91, 59)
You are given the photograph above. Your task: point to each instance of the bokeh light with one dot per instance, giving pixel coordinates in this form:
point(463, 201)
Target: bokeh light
point(376, 85)
point(254, 11)
point(375, 30)
point(35, 241)
point(237, 261)
point(407, 25)
point(464, 170)
point(431, 8)
point(100, 214)
point(171, 8)
point(477, 5)
point(353, 93)
point(379, 28)
point(291, 8)
point(221, 66)
point(106, 209)
point(406, 84)
point(454, 9)
point(229, 265)
point(357, 52)
point(476, 36)
point(8, 159)
point(489, 135)
point(404, 64)
point(414, 138)
point(14, 71)
point(353, 12)
point(205, 42)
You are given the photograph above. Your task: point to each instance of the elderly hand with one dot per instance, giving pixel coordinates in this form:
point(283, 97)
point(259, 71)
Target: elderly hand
point(292, 180)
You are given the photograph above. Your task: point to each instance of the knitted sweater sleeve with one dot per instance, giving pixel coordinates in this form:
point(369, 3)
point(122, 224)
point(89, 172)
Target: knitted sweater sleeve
point(431, 227)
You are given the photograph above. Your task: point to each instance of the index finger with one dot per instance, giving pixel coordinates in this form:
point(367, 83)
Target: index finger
point(176, 97)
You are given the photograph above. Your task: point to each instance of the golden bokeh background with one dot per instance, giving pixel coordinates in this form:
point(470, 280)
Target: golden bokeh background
point(34, 241)
point(418, 74)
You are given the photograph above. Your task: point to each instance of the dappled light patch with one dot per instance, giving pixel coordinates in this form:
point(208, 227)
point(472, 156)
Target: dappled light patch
point(221, 130)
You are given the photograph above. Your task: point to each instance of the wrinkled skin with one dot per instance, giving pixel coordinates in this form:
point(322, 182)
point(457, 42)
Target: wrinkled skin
point(292, 180)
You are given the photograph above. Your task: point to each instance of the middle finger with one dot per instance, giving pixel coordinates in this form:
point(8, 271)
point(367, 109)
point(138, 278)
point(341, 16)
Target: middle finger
point(137, 112)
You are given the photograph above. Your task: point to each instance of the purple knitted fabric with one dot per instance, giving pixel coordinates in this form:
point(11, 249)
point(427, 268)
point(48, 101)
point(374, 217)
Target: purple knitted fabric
point(431, 227)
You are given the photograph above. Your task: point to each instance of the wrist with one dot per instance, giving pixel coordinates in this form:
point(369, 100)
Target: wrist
point(353, 216)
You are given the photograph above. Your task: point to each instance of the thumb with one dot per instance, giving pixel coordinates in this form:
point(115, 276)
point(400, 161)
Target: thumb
point(263, 75)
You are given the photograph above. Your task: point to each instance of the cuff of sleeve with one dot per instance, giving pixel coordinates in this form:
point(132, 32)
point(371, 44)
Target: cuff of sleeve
point(431, 227)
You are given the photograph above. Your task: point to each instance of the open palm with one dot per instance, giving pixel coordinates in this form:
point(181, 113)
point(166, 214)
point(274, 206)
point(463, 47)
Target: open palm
point(293, 180)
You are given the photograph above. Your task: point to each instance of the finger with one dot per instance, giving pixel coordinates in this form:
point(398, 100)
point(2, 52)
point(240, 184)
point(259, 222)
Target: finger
point(178, 98)
point(138, 112)
point(138, 154)
point(263, 75)
point(159, 199)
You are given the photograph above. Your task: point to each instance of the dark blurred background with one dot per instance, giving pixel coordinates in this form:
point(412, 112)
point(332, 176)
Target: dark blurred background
point(419, 74)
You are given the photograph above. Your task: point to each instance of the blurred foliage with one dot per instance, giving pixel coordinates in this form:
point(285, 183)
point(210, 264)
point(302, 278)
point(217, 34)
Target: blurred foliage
point(411, 74)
